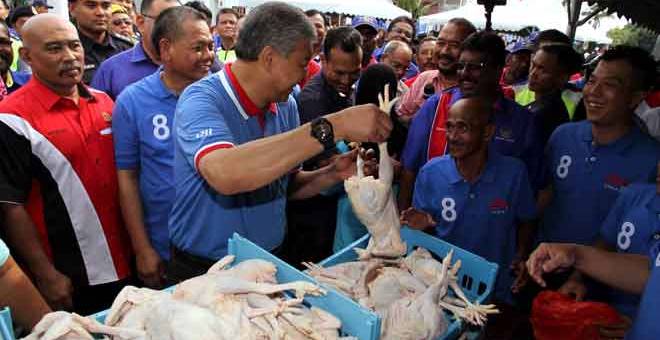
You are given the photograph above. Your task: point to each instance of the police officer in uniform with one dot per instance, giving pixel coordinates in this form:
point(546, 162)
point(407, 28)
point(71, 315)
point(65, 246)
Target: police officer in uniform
point(92, 18)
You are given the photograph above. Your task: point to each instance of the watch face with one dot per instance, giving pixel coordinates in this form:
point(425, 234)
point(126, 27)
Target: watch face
point(323, 131)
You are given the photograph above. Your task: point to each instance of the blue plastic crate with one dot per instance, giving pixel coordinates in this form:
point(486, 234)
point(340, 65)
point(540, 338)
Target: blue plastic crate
point(355, 320)
point(476, 275)
point(6, 327)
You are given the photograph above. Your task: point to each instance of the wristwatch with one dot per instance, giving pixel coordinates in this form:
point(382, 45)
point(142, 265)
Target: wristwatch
point(322, 131)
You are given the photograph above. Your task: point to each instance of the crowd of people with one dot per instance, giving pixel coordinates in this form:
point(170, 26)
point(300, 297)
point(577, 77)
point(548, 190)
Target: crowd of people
point(135, 141)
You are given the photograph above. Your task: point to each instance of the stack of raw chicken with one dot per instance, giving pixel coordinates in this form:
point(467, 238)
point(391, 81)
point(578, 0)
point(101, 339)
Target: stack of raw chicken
point(409, 293)
point(242, 302)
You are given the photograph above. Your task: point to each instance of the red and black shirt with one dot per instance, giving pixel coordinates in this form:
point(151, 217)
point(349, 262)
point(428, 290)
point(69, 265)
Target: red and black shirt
point(58, 161)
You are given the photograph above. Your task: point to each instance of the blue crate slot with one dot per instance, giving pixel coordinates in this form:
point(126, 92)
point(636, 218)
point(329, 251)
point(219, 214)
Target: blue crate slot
point(355, 320)
point(6, 327)
point(476, 275)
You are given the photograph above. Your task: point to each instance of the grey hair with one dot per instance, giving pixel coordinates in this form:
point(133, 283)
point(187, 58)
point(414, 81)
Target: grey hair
point(394, 45)
point(275, 24)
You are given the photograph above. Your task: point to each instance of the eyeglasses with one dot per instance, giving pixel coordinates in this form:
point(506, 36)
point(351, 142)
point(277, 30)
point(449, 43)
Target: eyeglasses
point(470, 67)
point(119, 22)
point(458, 128)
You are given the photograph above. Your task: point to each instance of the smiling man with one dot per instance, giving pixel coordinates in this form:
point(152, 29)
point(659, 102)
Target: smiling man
point(479, 69)
point(92, 18)
point(59, 190)
point(476, 198)
point(144, 147)
point(238, 144)
point(590, 162)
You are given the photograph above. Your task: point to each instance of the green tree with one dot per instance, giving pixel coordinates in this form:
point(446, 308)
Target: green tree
point(416, 8)
point(634, 36)
point(578, 17)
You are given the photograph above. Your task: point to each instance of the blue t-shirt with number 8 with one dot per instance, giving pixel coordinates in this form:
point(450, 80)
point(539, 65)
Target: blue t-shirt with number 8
point(142, 127)
point(629, 228)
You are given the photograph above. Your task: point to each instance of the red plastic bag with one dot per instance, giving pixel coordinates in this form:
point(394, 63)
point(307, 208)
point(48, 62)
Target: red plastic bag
point(558, 316)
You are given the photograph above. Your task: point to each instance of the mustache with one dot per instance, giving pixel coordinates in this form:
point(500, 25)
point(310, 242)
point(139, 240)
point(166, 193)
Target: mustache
point(70, 67)
point(447, 57)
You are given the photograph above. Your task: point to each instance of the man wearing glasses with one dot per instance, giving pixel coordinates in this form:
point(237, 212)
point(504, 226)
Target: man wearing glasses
point(516, 133)
point(129, 66)
point(92, 18)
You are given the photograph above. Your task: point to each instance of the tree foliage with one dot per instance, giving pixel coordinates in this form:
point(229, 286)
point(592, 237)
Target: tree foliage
point(416, 8)
point(634, 36)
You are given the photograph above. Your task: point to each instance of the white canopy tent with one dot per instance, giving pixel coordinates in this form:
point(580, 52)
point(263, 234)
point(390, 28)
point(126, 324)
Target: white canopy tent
point(383, 9)
point(518, 14)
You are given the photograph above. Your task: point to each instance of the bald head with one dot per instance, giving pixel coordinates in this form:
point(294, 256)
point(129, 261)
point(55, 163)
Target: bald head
point(398, 55)
point(474, 110)
point(52, 48)
point(39, 27)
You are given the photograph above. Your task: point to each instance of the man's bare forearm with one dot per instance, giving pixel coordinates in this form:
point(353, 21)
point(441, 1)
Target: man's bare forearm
point(17, 292)
point(407, 184)
point(252, 165)
point(24, 238)
point(627, 272)
point(131, 209)
point(306, 184)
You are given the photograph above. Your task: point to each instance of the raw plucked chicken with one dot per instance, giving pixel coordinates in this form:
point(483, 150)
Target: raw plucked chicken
point(373, 202)
point(243, 302)
point(411, 292)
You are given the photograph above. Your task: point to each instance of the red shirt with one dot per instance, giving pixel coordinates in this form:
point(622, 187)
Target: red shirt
point(312, 69)
point(69, 184)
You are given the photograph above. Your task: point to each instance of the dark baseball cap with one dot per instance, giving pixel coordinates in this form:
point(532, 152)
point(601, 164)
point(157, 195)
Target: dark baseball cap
point(361, 20)
point(41, 3)
point(19, 12)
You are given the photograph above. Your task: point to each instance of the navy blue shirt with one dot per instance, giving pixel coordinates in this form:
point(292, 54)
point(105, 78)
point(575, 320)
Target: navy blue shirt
point(587, 178)
point(480, 217)
point(123, 69)
point(215, 113)
point(629, 227)
point(142, 126)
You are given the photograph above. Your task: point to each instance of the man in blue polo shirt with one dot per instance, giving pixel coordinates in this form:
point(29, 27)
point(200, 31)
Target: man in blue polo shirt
point(476, 198)
point(589, 162)
point(238, 146)
point(125, 68)
point(142, 123)
point(516, 134)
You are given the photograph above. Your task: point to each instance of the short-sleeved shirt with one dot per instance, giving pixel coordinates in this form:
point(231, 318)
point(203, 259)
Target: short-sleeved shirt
point(629, 227)
point(142, 124)
point(516, 134)
point(58, 162)
point(587, 178)
point(96, 53)
point(4, 253)
point(123, 69)
point(215, 113)
point(480, 217)
point(550, 112)
point(646, 325)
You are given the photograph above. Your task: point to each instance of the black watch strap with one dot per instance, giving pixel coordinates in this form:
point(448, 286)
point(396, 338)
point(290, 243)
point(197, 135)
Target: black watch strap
point(322, 130)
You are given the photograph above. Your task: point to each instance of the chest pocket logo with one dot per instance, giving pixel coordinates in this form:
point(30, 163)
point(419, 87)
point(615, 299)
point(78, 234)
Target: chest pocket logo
point(623, 240)
point(565, 161)
point(161, 130)
point(448, 209)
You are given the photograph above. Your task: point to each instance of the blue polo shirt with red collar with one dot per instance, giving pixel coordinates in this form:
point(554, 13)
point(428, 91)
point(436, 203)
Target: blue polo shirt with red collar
point(587, 179)
point(481, 217)
point(211, 114)
point(630, 227)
